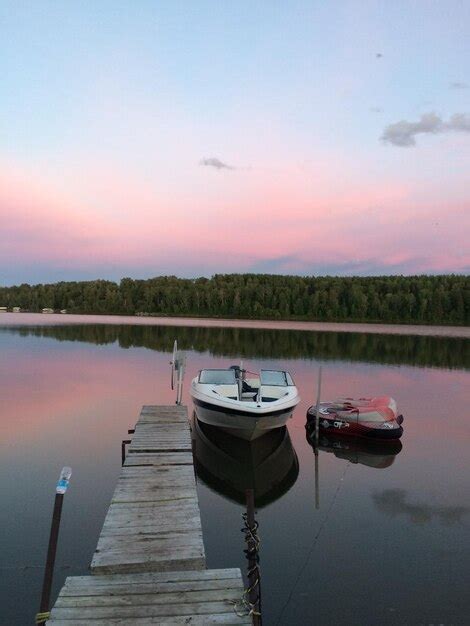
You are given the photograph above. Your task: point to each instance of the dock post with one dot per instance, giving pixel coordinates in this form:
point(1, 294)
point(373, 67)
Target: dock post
point(254, 582)
point(61, 488)
point(124, 443)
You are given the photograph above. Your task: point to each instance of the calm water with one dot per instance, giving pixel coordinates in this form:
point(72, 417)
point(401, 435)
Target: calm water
point(389, 541)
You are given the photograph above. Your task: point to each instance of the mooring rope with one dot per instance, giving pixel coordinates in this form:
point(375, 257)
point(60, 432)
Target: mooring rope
point(243, 607)
point(315, 539)
point(41, 618)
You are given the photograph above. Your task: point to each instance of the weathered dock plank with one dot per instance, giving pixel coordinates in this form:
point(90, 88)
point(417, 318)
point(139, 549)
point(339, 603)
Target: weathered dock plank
point(149, 564)
point(154, 578)
point(155, 460)
point(158, 473)
point(196, 620)
point(200, 597)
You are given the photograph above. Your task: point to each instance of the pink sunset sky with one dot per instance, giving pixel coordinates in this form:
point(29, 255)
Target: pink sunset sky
point(199, 139)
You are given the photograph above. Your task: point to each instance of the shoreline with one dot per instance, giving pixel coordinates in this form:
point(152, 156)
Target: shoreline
point(57, 319)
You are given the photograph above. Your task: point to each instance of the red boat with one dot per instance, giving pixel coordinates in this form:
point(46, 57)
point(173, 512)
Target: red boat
point(374, 418)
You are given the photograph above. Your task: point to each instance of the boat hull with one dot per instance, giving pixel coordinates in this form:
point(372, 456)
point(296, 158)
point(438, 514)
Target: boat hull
point(239, 423)
point(389, 430)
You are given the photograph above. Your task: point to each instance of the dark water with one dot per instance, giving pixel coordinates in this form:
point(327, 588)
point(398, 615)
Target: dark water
point(387, 545)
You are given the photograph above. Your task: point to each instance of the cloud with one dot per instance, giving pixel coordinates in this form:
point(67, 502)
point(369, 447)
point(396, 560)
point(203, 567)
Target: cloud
point(403, 133)
point(395, 502)
point(217, 163)
point(459, 85)
point(105, 222)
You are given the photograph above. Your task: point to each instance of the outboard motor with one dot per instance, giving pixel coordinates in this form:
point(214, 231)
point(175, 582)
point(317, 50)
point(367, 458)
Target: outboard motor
point(238, 376)
point(237, 369)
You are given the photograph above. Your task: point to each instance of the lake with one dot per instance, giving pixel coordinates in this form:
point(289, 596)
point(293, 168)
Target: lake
point(387, 541)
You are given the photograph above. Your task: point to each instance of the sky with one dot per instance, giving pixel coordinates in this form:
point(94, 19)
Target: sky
point(191, 138)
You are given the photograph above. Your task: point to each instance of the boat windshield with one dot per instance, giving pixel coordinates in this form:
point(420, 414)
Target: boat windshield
point(217, 377)
point(275, 378)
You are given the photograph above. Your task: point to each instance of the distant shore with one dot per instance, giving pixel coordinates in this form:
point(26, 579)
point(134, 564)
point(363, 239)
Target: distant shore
point(49, 319)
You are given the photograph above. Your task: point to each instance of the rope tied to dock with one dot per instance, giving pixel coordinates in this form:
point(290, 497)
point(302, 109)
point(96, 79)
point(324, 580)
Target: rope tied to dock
point(41, 618)
point(251, 536)
point(249, 603)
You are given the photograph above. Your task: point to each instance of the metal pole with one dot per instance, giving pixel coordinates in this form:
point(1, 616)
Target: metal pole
point(317, 481)
point(180, 383)
point(173, 359)
point(317, 409)
point(316, 441)
point(43, 615)
point(254, 583)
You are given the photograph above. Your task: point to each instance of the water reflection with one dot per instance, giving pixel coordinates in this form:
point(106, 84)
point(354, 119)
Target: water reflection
point(395, 502)
point(230, 465)
point(69, 394)
point(445, 352)
point(357, 450)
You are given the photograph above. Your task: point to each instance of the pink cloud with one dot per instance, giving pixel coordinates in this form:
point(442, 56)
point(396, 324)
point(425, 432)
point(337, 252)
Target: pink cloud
point(277, 220)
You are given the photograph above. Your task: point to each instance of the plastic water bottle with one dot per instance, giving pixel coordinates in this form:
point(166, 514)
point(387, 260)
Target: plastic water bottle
point(63, 482)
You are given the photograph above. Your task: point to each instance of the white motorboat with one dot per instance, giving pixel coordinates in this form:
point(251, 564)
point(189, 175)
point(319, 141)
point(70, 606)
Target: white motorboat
point(245, 405)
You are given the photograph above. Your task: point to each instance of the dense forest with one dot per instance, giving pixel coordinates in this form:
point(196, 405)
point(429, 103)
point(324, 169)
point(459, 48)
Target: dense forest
point(249, 343)
point(396, 299)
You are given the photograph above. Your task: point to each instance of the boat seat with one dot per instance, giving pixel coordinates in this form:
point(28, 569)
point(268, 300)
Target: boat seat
point(246, 388)
point(249, 395)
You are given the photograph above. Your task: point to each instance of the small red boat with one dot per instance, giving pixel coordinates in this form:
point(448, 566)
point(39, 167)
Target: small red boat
point(375, 418)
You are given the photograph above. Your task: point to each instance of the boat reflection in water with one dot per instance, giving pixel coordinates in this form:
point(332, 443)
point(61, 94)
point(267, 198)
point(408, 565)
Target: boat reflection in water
point(372, 453)
point(231, 465)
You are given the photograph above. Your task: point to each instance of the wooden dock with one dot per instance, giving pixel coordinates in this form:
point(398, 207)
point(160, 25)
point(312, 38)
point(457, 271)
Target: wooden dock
point(149, 565)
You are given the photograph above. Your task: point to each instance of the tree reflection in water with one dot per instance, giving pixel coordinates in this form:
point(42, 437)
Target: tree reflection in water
point(447, 352)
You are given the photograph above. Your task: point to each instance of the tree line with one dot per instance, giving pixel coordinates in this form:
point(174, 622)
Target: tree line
point(443, 299)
